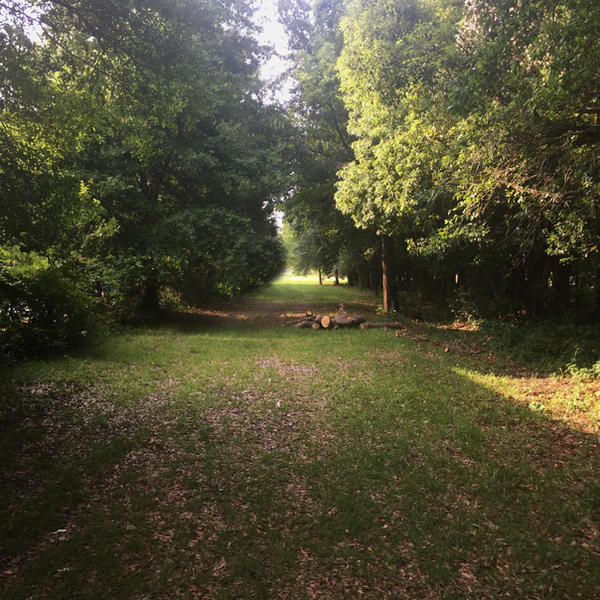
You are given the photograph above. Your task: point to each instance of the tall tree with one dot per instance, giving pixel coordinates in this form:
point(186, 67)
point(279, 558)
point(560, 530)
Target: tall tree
point(327, 239)
point(475, 127)
point(136, 145)
point(390, 67)
point(146, 110)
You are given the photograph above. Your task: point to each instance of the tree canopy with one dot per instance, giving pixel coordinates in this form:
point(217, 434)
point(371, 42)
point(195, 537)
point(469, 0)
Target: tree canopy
point(454, 142)
point(476, 136)
point(325, 238)
point(137, 151)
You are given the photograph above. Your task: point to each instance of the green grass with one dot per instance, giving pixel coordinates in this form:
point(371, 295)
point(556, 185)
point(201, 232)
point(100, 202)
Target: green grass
point(549, 347)
point(248, 460)
point(306, 289)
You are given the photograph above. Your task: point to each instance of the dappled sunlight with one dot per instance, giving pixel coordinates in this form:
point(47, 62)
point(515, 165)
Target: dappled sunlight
point(179, 418)
point(279, 303)
point(219, 314)
point(211, 313)
point(292, 314)
point(460, 326)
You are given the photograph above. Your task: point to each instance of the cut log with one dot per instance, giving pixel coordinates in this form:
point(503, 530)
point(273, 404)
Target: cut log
point(309, 313)
point(327, 322)
point(347, 320)
point(377, 325)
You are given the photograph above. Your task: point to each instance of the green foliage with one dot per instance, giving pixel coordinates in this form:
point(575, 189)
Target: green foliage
point(218, 254)
point(43, 305)
point(127, 125)
point(476, 136)
point(565, 347)
point(324, 238)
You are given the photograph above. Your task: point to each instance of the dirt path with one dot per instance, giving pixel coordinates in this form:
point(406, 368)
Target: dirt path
point(258, 312)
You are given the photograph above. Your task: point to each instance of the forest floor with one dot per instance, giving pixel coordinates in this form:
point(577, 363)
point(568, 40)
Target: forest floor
point(224, 455)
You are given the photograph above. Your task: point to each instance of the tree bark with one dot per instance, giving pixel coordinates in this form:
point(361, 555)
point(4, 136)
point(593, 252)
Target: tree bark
point(385, 281)
point(150, 298)
point(347, 320)
point(320, 277)
point(561, 274)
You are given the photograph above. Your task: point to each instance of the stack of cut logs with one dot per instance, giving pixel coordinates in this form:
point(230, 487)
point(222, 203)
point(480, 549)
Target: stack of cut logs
point(341, 320)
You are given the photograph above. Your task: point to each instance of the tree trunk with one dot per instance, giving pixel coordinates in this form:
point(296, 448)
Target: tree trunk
point(561, 275)
point(337, 277)
point(150, 298)
point(320, 277)
point(385, 281)
point(347, 320)
point(598, 290)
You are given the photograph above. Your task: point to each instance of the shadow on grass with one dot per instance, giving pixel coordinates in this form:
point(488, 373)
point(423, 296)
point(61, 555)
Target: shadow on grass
point(254, 312)
point(405, 480)
point(544, 348)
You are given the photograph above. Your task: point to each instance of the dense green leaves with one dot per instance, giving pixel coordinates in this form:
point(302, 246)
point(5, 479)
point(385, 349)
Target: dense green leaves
point(138, 153)
point(123, 122)
point(325, 239)
point(43, 305)
point(476, 127)
point(218, 253)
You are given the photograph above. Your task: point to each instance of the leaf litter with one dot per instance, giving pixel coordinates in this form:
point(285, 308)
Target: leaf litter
point(242, 491)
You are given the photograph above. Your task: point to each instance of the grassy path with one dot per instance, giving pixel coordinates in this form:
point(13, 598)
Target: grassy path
point(226, 456)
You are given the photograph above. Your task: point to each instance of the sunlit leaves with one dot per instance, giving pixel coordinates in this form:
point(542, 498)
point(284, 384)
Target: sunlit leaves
point(475, 117)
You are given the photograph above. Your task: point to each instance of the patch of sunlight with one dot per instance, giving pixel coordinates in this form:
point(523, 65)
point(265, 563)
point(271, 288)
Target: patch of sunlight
point(572, 400)
point(210, 312)
point(309, 279)
point(460, 326)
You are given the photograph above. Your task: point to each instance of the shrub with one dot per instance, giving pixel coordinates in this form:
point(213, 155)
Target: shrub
point(210, 252)
point(44, 306)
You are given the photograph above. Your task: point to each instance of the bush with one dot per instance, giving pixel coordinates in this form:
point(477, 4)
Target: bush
point(549, 346)
point(206, 253)
point(43, 306)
